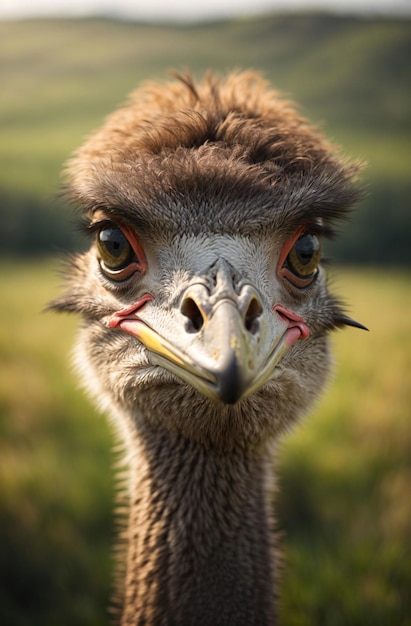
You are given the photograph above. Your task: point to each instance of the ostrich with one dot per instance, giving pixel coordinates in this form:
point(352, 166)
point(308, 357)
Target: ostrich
point(205, 320)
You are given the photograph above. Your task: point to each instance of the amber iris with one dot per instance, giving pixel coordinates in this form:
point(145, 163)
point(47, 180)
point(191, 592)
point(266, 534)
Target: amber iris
point(305, 255)
point(114, 249)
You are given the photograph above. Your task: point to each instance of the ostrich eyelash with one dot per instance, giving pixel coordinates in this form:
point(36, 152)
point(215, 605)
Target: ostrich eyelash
point(91, 228)
point(322, 230)
point(314, 228)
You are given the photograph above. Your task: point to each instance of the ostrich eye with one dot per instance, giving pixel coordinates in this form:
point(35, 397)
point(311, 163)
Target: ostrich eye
point(301, 264)
point(304, 256)
point(114, 248)
point(120, 252)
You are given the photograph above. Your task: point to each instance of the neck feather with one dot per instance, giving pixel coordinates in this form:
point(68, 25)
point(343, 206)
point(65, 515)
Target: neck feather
point(199, 537)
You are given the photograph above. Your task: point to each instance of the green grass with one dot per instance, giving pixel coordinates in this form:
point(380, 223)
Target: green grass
point(55, 479)
point(345, 473)
point(344, 502)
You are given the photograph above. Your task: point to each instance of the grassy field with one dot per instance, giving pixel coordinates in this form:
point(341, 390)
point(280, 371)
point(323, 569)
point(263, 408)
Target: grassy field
point(345, 473)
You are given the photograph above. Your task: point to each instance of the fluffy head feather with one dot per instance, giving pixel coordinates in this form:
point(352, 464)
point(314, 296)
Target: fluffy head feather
point(219, 156)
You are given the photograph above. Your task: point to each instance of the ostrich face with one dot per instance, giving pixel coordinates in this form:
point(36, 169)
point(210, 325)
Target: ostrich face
point(228, 331)
point(202, 294)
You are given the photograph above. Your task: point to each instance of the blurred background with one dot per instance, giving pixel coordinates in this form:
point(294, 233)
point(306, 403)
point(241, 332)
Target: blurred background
point(344, 508)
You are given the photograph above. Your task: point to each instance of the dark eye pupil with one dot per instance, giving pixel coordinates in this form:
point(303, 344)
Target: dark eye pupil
point(114, 241)
point(306, 247)
point(304, 257)
point(114, 249)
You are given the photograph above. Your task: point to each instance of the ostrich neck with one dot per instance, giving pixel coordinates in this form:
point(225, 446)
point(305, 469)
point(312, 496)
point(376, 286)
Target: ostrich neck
point(199, 537)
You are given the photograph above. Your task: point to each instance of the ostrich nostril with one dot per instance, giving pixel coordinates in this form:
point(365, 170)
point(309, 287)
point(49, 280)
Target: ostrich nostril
point(190, 309)
point(251, 316)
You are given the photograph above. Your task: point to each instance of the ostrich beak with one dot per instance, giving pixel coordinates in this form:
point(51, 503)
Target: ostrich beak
point(229, 348)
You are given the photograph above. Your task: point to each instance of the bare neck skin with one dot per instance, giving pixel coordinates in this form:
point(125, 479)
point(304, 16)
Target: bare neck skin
point(199, 538)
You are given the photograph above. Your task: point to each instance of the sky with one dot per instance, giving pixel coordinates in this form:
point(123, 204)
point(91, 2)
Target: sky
point(189, 10)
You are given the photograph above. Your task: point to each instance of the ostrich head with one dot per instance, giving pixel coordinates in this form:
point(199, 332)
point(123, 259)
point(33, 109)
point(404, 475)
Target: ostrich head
point(205, 308)
point(203, 289)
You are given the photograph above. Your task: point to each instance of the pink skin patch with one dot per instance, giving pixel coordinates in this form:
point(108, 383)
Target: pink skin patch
point(297, 328)
point(129, 313)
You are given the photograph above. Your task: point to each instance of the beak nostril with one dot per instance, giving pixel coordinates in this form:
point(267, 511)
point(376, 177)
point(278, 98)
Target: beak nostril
point(190, 309)
point(252, 314)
